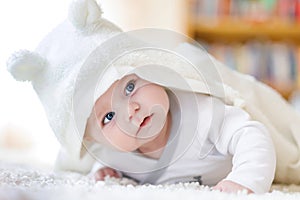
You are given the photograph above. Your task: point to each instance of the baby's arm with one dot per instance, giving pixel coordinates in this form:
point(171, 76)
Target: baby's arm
point(254, 158)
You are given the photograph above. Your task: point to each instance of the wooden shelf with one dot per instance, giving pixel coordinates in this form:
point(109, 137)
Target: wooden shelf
point(239, 30)
point(233, 30)
point(286, 90)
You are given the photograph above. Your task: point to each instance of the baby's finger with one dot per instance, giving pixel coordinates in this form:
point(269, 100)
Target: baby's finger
point(108, 172)
point(116, 174)
point(99, 175)
point(218, 188)
point(111, 172)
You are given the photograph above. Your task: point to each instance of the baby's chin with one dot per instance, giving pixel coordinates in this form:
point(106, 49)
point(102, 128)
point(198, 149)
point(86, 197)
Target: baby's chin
point(124, 147)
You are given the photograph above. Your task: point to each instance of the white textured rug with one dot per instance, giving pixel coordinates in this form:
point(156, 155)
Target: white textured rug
point(25, 183)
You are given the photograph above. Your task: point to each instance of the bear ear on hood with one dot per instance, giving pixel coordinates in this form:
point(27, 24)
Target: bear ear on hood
point(25, 65)
point(83, 13)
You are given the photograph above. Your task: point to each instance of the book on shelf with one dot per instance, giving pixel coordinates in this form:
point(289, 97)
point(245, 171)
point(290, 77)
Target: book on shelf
point(281, 65)
point(250, 10)
point(297, 11)
point(298, 67)
point(256, 37)
point(277, 64)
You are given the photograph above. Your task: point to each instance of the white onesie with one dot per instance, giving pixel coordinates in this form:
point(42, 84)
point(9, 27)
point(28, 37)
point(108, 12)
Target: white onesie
point(227, 145)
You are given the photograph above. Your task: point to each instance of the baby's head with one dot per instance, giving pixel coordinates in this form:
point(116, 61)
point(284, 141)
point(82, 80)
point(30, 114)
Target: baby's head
point(65, 80)
point(129, 114)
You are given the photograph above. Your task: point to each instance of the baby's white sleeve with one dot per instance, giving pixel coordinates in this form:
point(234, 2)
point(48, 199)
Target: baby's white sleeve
point(254, 157)
point(67, 162)
point(95, 168)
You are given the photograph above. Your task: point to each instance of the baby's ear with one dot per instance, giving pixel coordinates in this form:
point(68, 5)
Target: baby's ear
point(25, 65)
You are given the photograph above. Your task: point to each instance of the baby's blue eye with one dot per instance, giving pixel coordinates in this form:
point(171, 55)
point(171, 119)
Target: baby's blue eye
point(108, 117)
point(129, 88)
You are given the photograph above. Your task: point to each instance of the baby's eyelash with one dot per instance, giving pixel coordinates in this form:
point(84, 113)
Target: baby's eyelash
point(108, 117)
point(130, 86)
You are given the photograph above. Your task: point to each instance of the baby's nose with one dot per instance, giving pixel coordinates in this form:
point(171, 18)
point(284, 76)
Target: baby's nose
point(133, 108)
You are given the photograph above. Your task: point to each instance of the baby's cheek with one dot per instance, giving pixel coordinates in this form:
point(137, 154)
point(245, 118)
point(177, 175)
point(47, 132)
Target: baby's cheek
point(157, 96)
point(120, 141)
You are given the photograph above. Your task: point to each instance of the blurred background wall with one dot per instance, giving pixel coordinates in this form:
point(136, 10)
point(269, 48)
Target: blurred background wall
point(257, 37)
point(134, 14)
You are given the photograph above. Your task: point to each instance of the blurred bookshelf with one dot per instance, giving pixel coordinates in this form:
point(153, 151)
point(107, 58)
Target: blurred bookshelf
point(257, 37)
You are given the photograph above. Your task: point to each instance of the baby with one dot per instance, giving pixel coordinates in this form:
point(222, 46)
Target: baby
point(135, 115)
point(151, 127)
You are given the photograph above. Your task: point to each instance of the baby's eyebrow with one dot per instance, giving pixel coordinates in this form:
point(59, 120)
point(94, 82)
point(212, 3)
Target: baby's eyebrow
point(102, 110)
point(98, 112)
point(104, 106)
point(99, 116)
point(105, 102)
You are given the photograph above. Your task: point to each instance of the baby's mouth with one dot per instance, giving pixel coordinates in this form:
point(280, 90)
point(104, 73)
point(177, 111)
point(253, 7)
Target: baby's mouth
point(146, 121)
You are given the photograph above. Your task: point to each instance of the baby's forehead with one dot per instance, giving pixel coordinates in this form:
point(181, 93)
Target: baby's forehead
point(107, 95)
point(104, 101)
point(129, 76)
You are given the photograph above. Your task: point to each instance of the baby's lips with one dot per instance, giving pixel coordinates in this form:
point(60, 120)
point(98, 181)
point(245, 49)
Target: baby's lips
point(146, 121)
point(141, 122)
point(137, 121)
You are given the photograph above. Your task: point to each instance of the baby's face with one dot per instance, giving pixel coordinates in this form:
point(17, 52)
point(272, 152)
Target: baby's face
point(131, 113)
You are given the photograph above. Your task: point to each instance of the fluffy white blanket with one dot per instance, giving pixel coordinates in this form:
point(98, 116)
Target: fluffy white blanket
point(22, 182)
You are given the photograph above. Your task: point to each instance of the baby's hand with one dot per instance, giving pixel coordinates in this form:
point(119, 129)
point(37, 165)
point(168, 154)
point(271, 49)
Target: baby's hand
point(105, 171)
point(230, 187)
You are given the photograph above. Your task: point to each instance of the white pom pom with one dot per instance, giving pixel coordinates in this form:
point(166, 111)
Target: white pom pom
point(84, 12)
point(25, 65)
